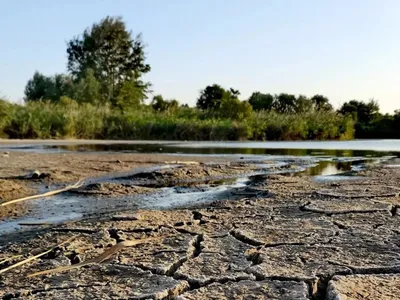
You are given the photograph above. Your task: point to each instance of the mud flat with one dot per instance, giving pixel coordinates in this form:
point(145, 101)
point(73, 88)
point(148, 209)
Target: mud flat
point(277, 237)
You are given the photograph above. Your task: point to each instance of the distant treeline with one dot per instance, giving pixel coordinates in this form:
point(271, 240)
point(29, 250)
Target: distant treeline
point(103, 96)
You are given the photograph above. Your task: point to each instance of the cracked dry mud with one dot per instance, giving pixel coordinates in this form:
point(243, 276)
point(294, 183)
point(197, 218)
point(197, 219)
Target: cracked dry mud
point(299, 239)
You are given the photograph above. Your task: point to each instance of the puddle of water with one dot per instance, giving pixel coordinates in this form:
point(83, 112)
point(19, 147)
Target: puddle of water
point(334, 178)
point(8, 226)
point(325, 168)
point(171, 198)
point(70, 206)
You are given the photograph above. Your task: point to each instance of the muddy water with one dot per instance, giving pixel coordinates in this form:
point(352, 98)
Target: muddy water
point(69, 206)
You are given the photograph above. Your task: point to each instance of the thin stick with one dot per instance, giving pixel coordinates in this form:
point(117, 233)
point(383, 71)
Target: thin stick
point(98, 259)
point(25, 261)
point(51, 193)
point(10, 258)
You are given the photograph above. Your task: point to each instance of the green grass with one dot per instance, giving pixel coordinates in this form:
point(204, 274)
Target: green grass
point(69, 120)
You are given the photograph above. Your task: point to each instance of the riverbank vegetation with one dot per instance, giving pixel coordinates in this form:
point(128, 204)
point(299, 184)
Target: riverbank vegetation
point(104, 96)
point(70, 119)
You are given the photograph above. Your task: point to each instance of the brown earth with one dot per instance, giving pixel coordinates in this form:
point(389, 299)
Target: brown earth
point(70, 167)
point(61, 169)
point(296, 239)
point(12, 189)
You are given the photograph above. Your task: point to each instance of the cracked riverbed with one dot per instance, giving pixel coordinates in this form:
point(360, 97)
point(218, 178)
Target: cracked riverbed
point(275, 232)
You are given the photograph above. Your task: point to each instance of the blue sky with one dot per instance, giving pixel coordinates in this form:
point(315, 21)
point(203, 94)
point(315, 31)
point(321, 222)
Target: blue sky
point(342, 49)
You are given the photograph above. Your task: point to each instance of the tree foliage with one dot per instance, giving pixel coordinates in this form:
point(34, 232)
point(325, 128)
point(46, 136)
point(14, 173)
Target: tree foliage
point(303, 104)
point(212, 96)
point(109, 49)
point(159, 104)
point(321, 103)
point(233, 108)
point(285, 103)
point(41, 87)
point(396, 119)
point(131, 95)
point(288, 103)
point(260, 101)
point(88, 89)
point(361, 111)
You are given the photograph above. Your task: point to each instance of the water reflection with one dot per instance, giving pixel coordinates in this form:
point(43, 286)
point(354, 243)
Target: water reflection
point(326, 168)
point(173, 149)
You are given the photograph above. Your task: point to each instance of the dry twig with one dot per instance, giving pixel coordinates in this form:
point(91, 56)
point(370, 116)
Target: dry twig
point(98, 259)
point(48, 194)
point(25, 261)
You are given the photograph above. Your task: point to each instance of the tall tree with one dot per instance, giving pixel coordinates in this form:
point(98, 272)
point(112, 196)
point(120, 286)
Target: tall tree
point(109, 49)
point(285, 103)
point(321, 103)
point(213, 95)
point(132, 94)
point(260, 101)
point(88, 89)
point(37, 88)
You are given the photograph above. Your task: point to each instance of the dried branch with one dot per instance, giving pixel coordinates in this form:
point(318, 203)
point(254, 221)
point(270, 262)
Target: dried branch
point(48, 194)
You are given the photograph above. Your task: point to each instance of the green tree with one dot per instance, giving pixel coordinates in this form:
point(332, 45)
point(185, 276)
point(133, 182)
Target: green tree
point(285, 103)
point(41, 87)
point(173, 104)
point(260, 101)
point(159, 104)
point(212, 96)
point(37, 88)
point(363, 112)
point(132, 94)
point(396, 121)
point(115, 57)
point(88, 89)
point(233, 108)
point(369, 122)
point(6, 110)
point(321, 103)
point(303, 104)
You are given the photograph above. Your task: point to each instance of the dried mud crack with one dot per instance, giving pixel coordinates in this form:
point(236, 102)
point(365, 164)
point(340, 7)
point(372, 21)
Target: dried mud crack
point(283, 238)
